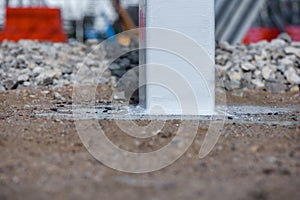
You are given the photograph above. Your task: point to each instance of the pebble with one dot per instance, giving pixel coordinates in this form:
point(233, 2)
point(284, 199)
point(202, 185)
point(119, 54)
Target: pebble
point(295, 89)
point(235, 75)
point(2, 88)
point(258, 83)
point(248, 66)
point(22, 78)
point(57, 96)
point(287, 62)
point(10, 84)
point(267, 73)
point(54, 109)
point(292, 76)
point(292, 50)
point(277, 43)
point(119, 95)
point(254, 149)
point(45, 92)
point(275, 88)
point(285, 37)
point(15, 179)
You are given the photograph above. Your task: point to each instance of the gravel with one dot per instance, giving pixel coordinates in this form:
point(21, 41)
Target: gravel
point(33, 64)
point(271, 66)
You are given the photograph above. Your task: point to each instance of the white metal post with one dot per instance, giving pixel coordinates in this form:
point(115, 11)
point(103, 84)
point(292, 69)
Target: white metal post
point(195, 20)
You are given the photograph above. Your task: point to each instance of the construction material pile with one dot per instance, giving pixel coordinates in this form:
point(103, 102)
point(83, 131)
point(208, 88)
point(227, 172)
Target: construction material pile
point(33, 64)
point(272, 66)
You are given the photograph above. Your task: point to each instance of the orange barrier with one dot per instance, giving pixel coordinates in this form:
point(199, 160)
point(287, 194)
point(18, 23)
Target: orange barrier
point(44, 24)
point(294, 32)
point(260, 33)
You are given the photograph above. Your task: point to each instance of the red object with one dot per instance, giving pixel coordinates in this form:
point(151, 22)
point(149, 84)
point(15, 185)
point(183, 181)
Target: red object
point(260, 33)
point(294, 32)
point(44, 24)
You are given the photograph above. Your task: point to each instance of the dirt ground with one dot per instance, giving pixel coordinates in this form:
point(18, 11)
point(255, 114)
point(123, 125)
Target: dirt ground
point(43, 157)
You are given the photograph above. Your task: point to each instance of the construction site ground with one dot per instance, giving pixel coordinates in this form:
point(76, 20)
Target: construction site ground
point(43, 157)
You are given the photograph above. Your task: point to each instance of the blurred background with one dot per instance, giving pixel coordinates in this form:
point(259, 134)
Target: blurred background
point(61, 20)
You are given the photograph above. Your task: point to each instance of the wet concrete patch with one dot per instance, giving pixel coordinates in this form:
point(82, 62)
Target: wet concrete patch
point(238, 114)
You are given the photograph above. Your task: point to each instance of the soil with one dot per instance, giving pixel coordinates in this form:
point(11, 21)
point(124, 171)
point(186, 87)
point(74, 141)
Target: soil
point(43, 157)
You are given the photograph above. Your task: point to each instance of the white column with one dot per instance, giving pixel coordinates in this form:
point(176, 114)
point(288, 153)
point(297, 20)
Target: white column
point(186, 86)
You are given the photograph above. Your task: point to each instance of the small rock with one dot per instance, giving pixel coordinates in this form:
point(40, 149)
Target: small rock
point(54, 109)
point(268, 73)
point(226, 46)
point(275, 88)
point(248, 66)
point(2, 88)
point(66, 70)
point(37, 70)
point(91, 63)
point(31, 65)
point(287, 62)
point(124, 63)
point(91, 42)
point(257, 74)
point(247, 76)
point(22, 78)
point(271, 159)
point(57, 96)
point(258, 83)
point(281, 68)
point(254, 149)
point(222, 59)
point(47, 77)
point(10, 84)
point(285, 37)
point(16, 179)
point(165, 134)
point(295, 44)
point(220, 148)
point(21, 59)
point(235, 75)
point(235, 84)
point(277, 43)
point(13, 64)
point(119, 95)
point(280, 77)
point(292, 50)
point(134, 57)
point(44, 80)
point(45, 92)
point(261, 57)
point(114, 66)
point(221, 71)
point(291, 76)
point(37, 59)
point(295, 89)
point(27, 84)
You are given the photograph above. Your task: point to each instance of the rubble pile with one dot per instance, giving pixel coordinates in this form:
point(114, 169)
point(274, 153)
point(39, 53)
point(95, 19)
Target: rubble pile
point(33, 64)
point(272, 66)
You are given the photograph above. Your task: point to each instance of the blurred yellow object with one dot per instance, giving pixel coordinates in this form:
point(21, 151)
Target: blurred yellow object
point(124, 40)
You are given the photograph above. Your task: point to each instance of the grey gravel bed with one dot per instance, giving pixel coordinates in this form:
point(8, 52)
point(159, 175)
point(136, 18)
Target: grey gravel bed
point(272, 66)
